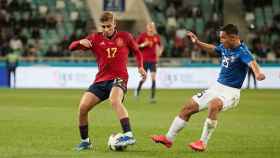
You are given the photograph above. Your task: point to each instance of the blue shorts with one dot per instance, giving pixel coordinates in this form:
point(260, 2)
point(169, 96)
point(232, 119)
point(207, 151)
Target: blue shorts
point(103, 89)
point(151, 66)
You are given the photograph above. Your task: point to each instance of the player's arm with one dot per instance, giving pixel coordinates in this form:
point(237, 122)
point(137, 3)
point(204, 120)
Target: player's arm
point(257, 71)
point(159, 50)
point(139, 59)
point(247, 58)
point(141, 42)
point(82, 44)
point(159, 47)
point(210, 48)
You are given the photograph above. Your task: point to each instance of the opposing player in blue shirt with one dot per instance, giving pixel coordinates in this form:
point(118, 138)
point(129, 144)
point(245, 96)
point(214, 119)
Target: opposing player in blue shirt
point(225, 94)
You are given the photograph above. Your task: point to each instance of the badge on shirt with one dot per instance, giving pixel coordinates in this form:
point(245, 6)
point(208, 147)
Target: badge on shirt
point(119, 42)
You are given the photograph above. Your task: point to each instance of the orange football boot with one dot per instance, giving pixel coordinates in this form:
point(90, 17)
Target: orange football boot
point(198, 146)
point(163, 140)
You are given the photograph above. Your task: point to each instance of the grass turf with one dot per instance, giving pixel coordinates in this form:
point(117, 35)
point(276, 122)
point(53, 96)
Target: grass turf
point(42, 123)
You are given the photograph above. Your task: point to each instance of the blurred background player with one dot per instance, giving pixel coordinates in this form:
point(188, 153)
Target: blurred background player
point(111, 49)
point(150, 45)
point(12, 63)
point(225, 94)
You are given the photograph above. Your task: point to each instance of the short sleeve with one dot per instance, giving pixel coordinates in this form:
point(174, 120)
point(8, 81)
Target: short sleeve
point(246, 56)
point(218, 49)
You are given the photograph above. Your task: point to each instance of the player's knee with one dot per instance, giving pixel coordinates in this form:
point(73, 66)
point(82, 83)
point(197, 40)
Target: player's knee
point(215, 107)
point(83, 109)
point(193, 107)
point(114, 102)
point(213, 112)
point(189, 109)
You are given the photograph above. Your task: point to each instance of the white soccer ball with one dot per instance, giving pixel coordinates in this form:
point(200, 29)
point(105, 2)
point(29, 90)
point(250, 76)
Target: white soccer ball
point(112, 142)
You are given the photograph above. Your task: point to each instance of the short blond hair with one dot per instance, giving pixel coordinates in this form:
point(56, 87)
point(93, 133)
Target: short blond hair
point(107, 16)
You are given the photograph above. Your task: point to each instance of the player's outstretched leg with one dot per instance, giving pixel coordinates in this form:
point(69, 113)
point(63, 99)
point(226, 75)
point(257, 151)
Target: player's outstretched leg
point(210, 124)
point(116, 97)
point(153, 92)
point(137, 91)
point(87, 102)
point(177, 125)
point(153, 87)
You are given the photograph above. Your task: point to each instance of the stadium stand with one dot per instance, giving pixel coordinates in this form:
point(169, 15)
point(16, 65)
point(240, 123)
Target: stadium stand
point(173, 17)
point(41, 27)
point(263, 19)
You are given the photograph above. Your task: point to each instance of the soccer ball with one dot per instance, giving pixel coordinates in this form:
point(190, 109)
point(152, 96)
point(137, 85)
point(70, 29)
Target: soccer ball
point(112, 142)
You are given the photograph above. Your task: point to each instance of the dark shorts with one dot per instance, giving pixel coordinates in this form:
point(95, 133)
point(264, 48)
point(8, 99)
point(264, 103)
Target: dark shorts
point(102, 89)
point(151, 66)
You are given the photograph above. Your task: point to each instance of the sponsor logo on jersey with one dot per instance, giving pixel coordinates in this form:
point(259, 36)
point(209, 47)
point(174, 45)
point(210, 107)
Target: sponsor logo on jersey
point(102, 43)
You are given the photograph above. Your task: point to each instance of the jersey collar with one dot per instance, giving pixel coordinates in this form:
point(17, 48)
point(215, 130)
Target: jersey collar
point(237, 47)
point(111, 37)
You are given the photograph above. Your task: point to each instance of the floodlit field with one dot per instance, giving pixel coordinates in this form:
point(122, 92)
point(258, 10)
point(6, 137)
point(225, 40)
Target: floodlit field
point(43, 124)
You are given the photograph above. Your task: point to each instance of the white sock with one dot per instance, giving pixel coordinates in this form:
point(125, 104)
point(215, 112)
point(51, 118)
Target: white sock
point(85, 140)
point(208, 129)
point(177, 125)
point(128, 134)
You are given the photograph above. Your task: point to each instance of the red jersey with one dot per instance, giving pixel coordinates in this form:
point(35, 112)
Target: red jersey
point(112, 55)
point(149, 52)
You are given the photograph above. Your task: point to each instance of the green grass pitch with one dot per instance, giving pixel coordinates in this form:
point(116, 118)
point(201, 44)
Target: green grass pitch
point(38, 123)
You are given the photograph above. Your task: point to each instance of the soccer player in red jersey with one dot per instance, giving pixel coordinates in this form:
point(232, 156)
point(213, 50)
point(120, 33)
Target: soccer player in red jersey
point(111, 48)
point(150, 45)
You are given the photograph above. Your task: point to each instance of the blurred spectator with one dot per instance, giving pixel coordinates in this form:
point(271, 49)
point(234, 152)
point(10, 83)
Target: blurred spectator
point(3, 4)
point(31, 52)
point(53, 52)
point(25, 5)
point(4, 48)
point(275, 28)
point(63, 46)
point(34, 49)
point(171, 25)
point(79, 23)
point(51, 20)
point(73, 37)
point(276, 48)
point(195, 53)
point(179, 45)
point(35, 34)
point(171, 11)
point(16, 43)
point(259, 48)
point(249, 6)
point(212, 36)
point(251, 36)
point(3, 18)
point(13, 6)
